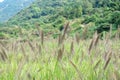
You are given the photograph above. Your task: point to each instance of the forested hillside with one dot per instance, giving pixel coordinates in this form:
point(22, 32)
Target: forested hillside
point(8, 8)
point(51, 15)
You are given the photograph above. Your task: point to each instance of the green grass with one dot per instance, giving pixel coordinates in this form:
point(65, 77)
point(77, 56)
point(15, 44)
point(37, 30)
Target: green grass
point(44, 64)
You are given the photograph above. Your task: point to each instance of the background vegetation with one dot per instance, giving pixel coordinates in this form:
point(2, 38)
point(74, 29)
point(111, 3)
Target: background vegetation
point(51, 15)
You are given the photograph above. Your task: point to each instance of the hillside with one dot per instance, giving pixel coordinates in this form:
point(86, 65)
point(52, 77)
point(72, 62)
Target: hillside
point(8, 8)
point(51, 15)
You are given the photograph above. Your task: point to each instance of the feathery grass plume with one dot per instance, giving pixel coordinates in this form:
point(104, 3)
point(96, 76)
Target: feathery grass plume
point(39, 48)
point(106, 63)
point(29, 76)
point(37, 26)
point(42, 37)
point(72, 48)
point(77, 38)
point(12, 47)
point(96, 39)
point(59, 40)
point(110, 32)
point(3, 54)
point(108, 58)
point(93, 42)
point(41, 33)
point(23, 50)
point(119, 32)
point(3, 44)
point(85, 32)
point(117, 36)
point(31, 46)
point(108, 54)
point(16, 46)
point(80, 76)
point(90, 47)
point(82, 57)
point(64, 32)
point(97, 64)
point(60, 53)
point(19, 69)
point(107, 38)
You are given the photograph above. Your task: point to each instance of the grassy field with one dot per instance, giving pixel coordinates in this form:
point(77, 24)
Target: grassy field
point(65, 58)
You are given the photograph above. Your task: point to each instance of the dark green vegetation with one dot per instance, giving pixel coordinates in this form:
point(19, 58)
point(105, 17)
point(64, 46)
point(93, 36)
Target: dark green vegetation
point(9, 8)
point(83, 15)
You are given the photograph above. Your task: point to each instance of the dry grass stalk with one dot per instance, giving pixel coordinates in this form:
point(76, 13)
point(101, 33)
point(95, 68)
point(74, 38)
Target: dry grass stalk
point(80, 76)
point(42, 37)
point(106, 63)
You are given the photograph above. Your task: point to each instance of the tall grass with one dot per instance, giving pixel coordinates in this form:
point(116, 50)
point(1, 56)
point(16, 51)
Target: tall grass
point(46, 60)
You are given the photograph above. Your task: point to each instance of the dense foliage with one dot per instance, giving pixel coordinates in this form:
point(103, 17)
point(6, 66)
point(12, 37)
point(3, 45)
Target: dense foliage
point(92, 15)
